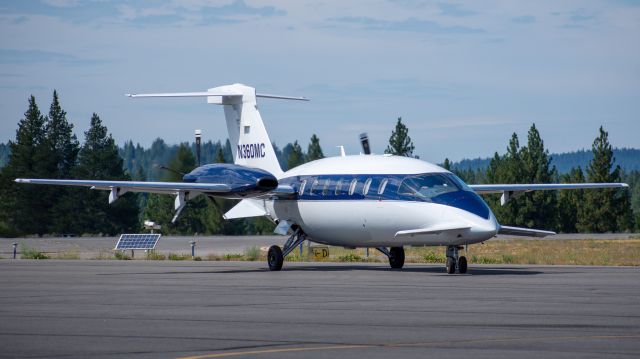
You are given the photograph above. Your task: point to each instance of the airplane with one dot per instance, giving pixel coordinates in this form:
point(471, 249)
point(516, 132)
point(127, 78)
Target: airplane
point(384, 202)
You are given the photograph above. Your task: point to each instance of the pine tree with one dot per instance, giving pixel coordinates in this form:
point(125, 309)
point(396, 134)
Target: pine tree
point(296, 156)
point(507, 168)
point(61, 143)
point(570, 202)
point(400, 143)
point(446, 165)
point(537, 209)
point(62, 148)
point(606, 210)
point(219, 156)
point(21, 206)
point(314, 152)
point(99, 159)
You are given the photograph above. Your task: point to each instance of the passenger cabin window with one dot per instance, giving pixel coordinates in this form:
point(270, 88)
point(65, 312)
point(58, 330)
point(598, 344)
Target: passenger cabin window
point(314, 185)
point(427, 186)
point(302, 184)
point(352, 186)
point(325, 189)
point(383, 185)
point(367, 184)
point(338, 187)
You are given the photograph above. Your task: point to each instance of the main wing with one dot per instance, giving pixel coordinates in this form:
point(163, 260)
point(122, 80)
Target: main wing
point(510, 191)
point(134, 186)
point(184, 191)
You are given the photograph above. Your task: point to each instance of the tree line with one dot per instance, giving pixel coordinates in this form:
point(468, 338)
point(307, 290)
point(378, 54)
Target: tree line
point(45, 147)
point(568, 211)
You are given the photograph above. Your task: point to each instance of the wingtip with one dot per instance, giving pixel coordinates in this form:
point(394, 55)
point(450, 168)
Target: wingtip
point(21, 180)
point(129, 94)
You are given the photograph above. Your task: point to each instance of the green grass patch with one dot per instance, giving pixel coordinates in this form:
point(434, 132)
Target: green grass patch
point(350, 257)
point(252, 253)
point(120, 255)
point(32, 253)
point(178, 257)
point(155, 256)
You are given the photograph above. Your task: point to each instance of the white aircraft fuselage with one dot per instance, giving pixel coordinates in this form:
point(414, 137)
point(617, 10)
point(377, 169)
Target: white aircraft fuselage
point(365, 200)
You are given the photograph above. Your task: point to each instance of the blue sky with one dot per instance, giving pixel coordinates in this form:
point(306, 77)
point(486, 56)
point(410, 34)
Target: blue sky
point(463, 75)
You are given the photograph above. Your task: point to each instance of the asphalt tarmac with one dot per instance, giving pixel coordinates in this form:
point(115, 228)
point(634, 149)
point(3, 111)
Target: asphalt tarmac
point(164, 309)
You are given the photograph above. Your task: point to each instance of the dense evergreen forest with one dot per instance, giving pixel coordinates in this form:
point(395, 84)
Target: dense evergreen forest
point(45, 147)
point(627, 158)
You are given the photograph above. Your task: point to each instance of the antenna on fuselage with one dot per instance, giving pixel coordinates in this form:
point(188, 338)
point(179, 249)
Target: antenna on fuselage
point(364, 140)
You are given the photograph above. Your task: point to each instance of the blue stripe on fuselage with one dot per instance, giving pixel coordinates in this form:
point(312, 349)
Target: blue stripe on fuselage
point(317, 188)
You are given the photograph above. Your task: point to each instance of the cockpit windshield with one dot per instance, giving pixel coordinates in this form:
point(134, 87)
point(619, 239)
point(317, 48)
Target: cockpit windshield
point(430, 185)
point(463, 186)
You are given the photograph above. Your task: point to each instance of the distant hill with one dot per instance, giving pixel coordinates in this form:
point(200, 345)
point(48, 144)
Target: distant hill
point(627, 158)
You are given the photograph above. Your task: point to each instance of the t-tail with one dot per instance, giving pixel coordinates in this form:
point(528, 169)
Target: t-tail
point(249, 139)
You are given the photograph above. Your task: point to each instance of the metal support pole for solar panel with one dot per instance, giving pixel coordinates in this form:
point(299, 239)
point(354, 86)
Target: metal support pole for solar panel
point(15, 249)
point(193, 249)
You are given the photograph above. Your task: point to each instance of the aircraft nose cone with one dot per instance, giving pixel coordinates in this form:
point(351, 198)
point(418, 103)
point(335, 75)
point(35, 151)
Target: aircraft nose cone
point(486, 228)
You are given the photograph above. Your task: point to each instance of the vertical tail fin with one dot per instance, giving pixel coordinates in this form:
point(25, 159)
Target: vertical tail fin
point(249, 139)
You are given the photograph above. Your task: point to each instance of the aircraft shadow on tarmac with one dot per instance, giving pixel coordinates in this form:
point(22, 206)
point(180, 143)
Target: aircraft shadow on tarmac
point(342, 268)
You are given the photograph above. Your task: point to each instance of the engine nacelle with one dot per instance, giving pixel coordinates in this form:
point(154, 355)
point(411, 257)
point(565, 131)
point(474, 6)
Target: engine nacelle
point(244, 181)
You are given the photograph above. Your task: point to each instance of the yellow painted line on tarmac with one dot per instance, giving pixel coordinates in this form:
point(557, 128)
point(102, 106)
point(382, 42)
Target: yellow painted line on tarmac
point(406, 345)
point(270, 351)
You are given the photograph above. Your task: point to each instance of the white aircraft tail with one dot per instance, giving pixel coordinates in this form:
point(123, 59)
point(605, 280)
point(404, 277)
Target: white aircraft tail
point(249, 139)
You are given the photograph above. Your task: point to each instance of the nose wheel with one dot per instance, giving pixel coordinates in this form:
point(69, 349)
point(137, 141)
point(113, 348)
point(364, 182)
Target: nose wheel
point(455, 262)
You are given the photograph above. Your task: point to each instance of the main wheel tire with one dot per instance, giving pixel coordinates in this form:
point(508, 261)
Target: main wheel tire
point(396, 261)
point(462, 264)
point(275, 258)
point(451, 265)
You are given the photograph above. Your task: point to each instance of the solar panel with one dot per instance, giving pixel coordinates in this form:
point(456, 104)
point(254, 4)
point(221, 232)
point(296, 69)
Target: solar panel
point(137, 241)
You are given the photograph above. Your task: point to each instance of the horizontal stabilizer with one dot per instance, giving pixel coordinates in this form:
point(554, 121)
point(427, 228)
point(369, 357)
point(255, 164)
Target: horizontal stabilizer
point(210, 94)
point(246, 208)
point(525, 232)
point(431, 230)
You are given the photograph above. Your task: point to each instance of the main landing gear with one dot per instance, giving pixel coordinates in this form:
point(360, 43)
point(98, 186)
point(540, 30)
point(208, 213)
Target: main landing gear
point(395, 255)
point(454, 261)
point(275, 256)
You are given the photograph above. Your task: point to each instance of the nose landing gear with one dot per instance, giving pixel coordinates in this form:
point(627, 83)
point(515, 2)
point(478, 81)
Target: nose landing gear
point(275, 256)
point(454, 261)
